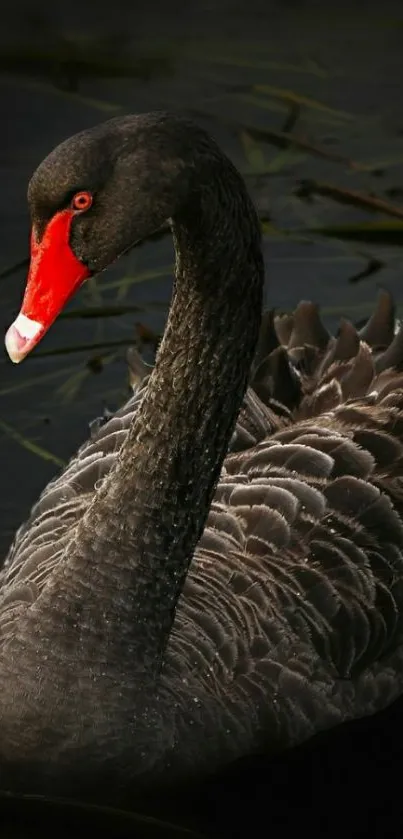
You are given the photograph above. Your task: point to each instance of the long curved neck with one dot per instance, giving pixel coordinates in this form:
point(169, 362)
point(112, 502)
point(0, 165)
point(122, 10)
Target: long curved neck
point(136, 541)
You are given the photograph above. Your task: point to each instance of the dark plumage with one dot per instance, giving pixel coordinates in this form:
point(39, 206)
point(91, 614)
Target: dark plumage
point(166, 610)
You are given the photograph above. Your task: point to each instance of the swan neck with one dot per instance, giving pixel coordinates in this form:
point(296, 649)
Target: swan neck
point(137, 539)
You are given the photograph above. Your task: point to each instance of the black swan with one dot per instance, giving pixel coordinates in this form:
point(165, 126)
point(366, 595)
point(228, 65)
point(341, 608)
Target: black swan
point(218, 571)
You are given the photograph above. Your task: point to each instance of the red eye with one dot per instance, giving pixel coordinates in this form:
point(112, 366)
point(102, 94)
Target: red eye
point(82, 201)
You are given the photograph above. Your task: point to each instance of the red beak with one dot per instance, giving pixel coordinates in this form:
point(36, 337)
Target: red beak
point(54, 276)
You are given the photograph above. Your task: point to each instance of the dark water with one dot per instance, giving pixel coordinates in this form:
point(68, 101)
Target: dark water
point(331, 78)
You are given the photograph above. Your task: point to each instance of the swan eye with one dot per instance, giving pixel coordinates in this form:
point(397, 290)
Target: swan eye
point(81, 202)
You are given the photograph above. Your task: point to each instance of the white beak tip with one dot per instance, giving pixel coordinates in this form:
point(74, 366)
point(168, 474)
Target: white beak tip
point(20, 337)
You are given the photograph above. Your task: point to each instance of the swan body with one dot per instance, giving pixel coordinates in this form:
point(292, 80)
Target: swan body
point(219, 569)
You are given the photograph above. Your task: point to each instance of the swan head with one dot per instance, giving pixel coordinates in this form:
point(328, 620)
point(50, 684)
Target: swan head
point(94, 197)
